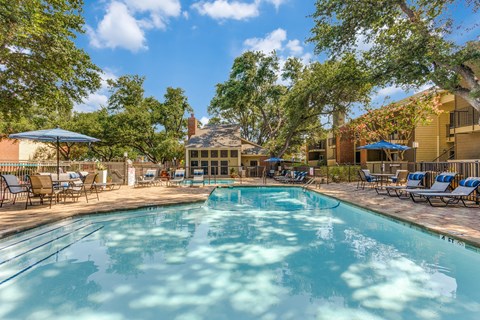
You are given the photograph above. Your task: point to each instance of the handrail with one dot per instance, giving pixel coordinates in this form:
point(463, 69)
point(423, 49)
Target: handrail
point(308, 183)
point(444, 153)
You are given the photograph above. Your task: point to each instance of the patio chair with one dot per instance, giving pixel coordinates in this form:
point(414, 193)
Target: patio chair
point(42, 186)
point(198, 177)
point(178, 177)
point(13, 186)
point(414, 180)
point(365, 178)
point(465, 189)
point(77, 190)
point(148, 179)
point(400, 177)
point(442, 183)
point(286, 176)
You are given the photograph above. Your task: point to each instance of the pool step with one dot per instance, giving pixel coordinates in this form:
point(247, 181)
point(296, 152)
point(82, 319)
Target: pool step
point(30, 239)
point(19, 261)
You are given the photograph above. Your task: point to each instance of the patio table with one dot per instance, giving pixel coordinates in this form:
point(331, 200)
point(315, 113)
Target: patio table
point(382, 177)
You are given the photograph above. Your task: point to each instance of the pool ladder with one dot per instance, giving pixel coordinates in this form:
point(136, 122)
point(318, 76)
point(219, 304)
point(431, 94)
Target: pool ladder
point(308, 183)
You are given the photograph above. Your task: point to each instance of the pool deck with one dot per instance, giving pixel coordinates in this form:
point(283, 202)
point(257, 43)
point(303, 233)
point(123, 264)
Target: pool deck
point(455, 221)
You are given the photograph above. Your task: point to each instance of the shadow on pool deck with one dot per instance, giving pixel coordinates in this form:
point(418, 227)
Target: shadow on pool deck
point(458, 222)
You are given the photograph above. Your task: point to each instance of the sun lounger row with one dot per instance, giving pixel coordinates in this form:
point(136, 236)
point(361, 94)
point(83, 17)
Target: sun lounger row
point(441, 193)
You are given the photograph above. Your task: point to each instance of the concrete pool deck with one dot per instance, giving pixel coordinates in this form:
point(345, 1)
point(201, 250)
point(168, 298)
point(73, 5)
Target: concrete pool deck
point(455, 221)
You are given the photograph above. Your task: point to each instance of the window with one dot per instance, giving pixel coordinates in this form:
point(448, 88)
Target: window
point(193, 165)
point(214, 168)
point(214, 153)
point(193, 153)
point(204, 153)
point(205, 167)
point(223, 153)
point(224, 168)
point(234, 153)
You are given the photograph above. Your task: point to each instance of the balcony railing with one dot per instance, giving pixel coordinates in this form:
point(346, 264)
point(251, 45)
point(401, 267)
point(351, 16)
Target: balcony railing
point(464, 117)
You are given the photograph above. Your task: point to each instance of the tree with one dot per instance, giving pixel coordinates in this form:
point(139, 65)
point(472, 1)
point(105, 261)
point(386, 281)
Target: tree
point(320, 90)
point(409, 42)
point(396, 119)
point(42, 71)
point(280, 116)
point(250, 97)
point(152, 128)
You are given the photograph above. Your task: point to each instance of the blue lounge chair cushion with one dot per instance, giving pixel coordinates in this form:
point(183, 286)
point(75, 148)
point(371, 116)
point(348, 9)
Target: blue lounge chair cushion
point(469, 183)
point(415, 176)
point(444, 178)
point(369, 178)
point(74, 175)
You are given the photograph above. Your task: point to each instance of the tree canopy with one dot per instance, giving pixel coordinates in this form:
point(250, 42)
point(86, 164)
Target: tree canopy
point(404, 42)
point(279, 107)
point(150, 127)
point(42, 71)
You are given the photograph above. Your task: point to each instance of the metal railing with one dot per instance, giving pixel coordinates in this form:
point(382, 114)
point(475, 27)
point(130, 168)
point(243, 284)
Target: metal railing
point(464, 117)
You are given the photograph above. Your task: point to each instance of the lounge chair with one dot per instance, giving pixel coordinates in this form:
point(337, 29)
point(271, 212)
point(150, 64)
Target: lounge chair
point(286, 176)
point(464, 190)
point(178, 177)
point(400, 177)
point(442, 184)
point(299, 178)
point(77, 190)
point(414, 180)
point(148, 179)
point(13, 186)
point(198, 177)
point(365, 178)
point(42, 186)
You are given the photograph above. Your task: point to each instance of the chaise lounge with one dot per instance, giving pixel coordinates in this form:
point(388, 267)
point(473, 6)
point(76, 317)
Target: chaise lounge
point(464, 190)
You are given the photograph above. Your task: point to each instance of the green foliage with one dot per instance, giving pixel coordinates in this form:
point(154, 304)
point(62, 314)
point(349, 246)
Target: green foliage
point(280, 116)
point(43, 72)
point(250, 97)
point(152, 128)
point(406, 42)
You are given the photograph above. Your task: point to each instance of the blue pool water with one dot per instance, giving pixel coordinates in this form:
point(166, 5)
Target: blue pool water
point(248, 253)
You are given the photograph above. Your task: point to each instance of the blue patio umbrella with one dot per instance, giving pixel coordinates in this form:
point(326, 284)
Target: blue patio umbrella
point(384, 145)
point(274, 160)
point(56, 135)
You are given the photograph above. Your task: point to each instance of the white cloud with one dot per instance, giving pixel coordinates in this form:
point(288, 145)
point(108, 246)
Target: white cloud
point(276, 3)
point(124, 23)
point(276, 41)
point(168, 8)
point(272, 41)
point(118, 28)
point(204, 120)
point(97, 99)
point(223, 9)
point(92, 103)
point(389, 91)
point(295, 47)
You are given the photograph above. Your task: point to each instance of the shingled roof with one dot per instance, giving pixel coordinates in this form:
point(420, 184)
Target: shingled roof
point(216, 136)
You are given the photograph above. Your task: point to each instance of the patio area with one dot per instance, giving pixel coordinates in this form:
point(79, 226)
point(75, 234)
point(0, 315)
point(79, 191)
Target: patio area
point(455, 221)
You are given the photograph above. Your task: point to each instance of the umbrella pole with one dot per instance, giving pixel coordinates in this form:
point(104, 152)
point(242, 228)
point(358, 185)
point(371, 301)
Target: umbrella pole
point(58, 158)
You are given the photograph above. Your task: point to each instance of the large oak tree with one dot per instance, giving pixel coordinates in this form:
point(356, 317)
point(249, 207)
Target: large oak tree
point(404, 42)
point(42, 72)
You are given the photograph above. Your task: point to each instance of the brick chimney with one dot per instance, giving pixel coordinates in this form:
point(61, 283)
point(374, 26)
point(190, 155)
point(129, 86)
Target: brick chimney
point(192, 125)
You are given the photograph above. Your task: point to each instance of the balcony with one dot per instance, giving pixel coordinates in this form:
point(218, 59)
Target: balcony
point(465, 117)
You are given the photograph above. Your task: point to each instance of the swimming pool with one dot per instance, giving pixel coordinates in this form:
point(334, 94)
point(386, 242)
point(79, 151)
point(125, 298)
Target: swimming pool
point(248, 253)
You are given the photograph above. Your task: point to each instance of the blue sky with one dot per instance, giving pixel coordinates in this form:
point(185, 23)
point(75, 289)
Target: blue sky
point(192, 43)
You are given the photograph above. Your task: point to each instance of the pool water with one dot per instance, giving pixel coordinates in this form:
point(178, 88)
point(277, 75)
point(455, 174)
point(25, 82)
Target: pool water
point(248, 253)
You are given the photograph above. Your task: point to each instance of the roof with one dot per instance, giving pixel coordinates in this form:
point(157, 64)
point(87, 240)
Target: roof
point(249, 148)
point(215, 136)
